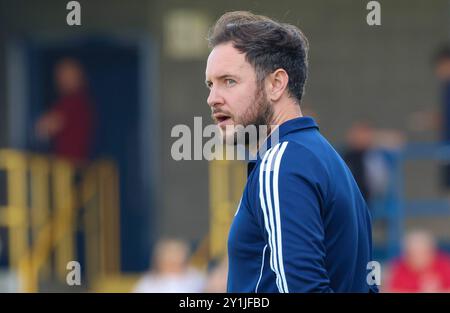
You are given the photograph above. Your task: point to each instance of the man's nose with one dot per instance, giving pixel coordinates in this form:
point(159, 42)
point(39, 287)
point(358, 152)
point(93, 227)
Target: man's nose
point(214, 98)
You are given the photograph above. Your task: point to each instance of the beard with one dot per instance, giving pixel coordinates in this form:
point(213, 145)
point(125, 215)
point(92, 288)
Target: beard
point(253, 124)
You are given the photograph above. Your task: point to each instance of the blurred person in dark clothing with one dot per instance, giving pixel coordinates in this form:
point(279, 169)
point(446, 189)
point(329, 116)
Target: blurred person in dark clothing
point(421, 268)
point(365, 156)
point(70, 122)
point(437, 120)
point(442, 72)
point(359, 142)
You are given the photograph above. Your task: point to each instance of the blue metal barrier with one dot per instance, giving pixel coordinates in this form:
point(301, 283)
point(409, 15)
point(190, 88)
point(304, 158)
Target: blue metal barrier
point(393, 206)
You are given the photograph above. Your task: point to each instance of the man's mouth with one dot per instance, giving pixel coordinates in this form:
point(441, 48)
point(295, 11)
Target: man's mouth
point(222, 119)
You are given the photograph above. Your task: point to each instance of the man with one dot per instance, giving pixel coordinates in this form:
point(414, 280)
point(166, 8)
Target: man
point(302, 224)
point(442, 72)
point(437, 120)
point(422, 267)
point(70, 122)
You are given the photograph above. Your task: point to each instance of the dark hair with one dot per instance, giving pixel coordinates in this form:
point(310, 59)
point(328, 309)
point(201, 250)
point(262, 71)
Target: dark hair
point(267, 44)
point(441, 54)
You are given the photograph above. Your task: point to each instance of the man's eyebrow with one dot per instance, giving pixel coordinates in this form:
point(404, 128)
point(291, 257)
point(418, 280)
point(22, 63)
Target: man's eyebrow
point(226, 75)
point(221, 77)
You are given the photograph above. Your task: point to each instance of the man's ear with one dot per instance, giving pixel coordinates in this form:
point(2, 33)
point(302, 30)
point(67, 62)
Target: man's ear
point(277, 84)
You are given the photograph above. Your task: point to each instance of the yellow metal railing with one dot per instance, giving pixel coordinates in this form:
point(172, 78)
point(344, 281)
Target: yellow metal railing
point(226, 183)
point(45, 198)
point(101, 191)
point(46, 206)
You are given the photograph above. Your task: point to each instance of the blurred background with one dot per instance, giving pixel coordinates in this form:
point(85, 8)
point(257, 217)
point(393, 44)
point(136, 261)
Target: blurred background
point(86, 114)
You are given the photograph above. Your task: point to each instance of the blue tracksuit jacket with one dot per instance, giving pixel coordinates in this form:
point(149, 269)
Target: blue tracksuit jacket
point(302, 224)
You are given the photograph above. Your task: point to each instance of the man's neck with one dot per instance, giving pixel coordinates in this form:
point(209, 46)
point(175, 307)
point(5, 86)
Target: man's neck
point(288, 112)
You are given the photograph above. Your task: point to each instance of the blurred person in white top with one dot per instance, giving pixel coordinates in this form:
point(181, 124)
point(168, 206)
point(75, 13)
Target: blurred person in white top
point(171, 271)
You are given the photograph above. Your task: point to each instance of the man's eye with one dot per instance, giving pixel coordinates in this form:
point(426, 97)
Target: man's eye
point(230, 82)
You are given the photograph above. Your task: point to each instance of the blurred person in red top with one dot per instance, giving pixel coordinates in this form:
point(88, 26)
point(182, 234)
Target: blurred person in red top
point(422, 268)
point(70, 122)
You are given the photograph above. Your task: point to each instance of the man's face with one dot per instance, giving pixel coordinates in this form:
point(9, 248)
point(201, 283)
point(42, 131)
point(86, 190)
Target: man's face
point(69, 77)
point(235, 97)
point(442, 69)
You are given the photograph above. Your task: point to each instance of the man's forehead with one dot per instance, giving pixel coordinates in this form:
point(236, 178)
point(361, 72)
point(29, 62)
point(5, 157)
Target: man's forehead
point(225, 59)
